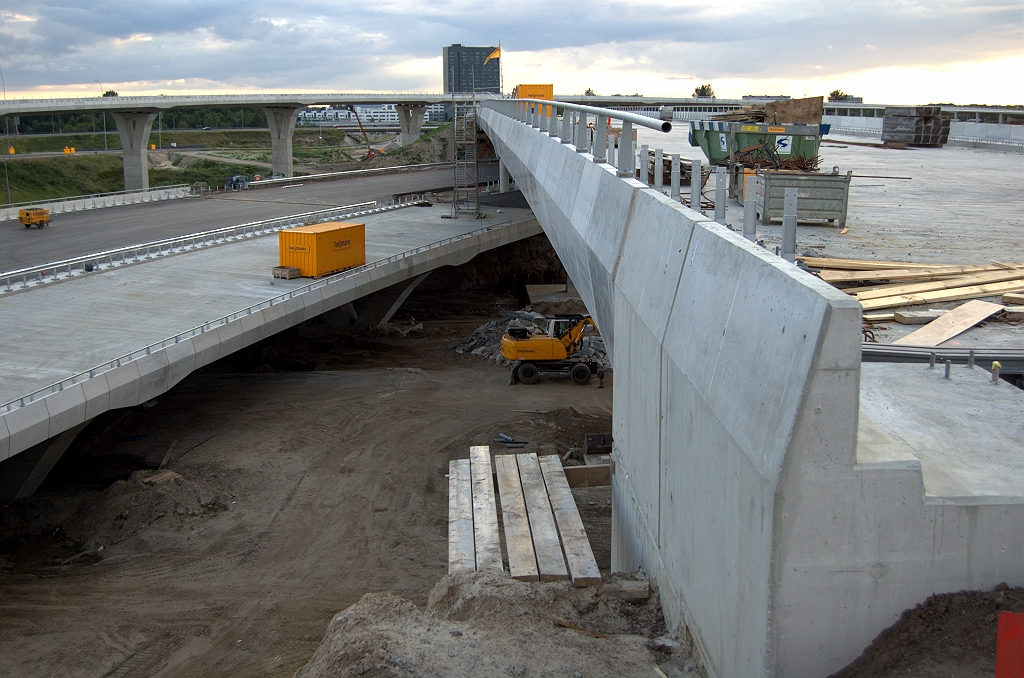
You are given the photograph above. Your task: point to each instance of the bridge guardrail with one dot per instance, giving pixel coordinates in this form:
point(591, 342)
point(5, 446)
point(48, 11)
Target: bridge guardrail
point(573, 127)
point(87, 202)
point(224, 320)
point(346, 174)
point(67, 268)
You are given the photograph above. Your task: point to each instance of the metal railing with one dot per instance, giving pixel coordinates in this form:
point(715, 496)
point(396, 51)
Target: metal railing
point(95, 200)
point(121, 256)
point(56, 387)
point(330, 176)
point(573, 126)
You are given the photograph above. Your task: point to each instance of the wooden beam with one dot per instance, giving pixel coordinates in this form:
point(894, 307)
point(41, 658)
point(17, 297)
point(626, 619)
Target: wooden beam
point(861, 264)
point(582, 564)
point(588, 476)
point(1012, 298)
point(522, 562)
point(461, 552)
point(935, 272)
point(947, 284)
point(973, 292)
point(950, 324)
point(485, 512)
point(550, 562)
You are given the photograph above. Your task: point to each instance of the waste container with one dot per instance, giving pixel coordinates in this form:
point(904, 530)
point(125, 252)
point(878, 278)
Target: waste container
point(720, 140)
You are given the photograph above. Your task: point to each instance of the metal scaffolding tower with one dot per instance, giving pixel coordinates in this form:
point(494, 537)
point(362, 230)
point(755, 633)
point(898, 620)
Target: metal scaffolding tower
point(465, 197)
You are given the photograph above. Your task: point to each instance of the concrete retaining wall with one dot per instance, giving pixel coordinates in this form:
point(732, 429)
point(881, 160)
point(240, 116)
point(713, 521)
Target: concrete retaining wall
point(147, 377)
point(736, 415)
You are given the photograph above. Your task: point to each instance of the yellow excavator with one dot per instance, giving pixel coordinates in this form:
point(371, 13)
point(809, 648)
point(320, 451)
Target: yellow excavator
point(553, 353)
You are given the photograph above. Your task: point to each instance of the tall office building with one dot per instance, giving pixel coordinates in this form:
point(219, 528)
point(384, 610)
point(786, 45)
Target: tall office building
point(464, 70)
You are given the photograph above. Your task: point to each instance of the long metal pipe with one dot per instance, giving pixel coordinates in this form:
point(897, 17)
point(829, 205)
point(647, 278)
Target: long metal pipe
point(635, 118)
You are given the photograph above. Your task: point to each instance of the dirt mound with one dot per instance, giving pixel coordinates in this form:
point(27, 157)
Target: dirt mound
point(952, 634)
point(489, 624)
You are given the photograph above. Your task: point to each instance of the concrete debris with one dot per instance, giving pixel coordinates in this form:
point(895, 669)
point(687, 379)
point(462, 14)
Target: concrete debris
point(485, 341)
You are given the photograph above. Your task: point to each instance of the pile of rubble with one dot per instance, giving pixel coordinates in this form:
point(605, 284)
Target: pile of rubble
point(486, 339)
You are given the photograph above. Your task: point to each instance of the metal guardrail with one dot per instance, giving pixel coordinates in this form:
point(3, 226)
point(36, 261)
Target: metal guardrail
point(330, 176)
point(573, 127)
point(67, 268)
point(95, 200)
point(224, 320)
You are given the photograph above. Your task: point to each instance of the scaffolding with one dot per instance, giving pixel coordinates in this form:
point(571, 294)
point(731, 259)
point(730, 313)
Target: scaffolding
point(465, 195)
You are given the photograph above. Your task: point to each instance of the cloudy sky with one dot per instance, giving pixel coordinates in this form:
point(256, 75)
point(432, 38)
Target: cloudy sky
point(899, 51)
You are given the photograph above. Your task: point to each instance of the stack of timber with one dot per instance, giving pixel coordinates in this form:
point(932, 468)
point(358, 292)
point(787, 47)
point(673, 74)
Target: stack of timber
point(544, 535)
point(915, 126)
point(892, 284)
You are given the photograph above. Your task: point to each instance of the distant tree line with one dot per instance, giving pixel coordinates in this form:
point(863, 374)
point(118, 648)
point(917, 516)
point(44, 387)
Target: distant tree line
point(174, 119)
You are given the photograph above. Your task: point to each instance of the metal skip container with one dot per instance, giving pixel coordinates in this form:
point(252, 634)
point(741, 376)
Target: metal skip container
point(322, 249)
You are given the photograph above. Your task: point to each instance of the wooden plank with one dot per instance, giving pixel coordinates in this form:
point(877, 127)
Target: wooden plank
point(973, 292)
point(550, 563)
point(951, 323)
point(597, 475)
point(522, 562)
point(949, 283)
point(916, 317)
point(861, 264)
point(838, 276)
point(161, 477)
point(878, 317)
point(1012, 298)
point(1014, 313)
point(461, 551)
point(582, 564)
point(485, 512)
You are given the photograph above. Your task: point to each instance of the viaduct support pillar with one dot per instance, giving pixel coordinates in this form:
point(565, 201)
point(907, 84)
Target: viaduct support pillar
point(504, 178)
point(134, 128)
point(411, 119)
point(282, 124)
point(22, 474)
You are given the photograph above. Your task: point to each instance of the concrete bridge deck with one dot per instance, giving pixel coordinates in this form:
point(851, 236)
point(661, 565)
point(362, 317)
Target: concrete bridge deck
point(82, 233)
point(52, 332)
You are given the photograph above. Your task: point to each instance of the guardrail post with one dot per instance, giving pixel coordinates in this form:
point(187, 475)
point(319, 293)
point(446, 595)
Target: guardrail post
point(600, 139)
point(553, 122)
point(659, 170)
point(645, 164)
point(626, 167)
point(696, 178)
point(789, 214)
point(750, 219)
point(581, 133)
point(566, 135)
point(720, 185)
point(675, 177)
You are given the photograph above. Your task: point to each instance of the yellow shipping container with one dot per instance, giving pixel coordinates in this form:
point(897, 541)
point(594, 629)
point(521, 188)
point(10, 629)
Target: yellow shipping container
point(544, 92)
point(322, 249)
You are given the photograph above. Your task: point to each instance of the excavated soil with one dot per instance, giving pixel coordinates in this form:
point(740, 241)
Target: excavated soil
point(489, 625)
point(952, 634)
point(300, 492)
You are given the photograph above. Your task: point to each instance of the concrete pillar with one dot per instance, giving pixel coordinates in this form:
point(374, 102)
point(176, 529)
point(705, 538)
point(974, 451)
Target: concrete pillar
point(659, 169)
point(695, 188)
point(411, 120)
point(134, 128)
point(789, 217)
point(750, 219)
point(721, 181)
point(282, 124)
point(503, 177)
point(22, 474)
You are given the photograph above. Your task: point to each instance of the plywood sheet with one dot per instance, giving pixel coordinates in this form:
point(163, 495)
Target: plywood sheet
point(950, 324)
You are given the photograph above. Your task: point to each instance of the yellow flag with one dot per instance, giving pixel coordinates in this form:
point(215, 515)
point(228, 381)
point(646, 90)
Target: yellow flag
point(496, 54)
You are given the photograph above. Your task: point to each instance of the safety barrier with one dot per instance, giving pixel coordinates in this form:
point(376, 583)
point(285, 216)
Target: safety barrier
point(89, 202)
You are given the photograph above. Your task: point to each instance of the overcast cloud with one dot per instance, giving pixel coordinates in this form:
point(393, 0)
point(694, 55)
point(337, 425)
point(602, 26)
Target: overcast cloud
point(662, 47)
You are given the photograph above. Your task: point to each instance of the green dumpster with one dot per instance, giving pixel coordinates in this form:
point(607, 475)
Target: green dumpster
point(719, 140)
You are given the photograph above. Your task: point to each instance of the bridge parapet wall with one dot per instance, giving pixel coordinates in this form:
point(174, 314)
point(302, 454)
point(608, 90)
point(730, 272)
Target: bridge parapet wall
point(736, 388)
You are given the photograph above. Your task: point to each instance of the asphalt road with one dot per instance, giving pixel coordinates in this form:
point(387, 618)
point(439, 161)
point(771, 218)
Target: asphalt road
point(81, 233)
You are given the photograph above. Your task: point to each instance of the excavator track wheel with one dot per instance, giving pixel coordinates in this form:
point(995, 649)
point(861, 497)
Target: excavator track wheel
point(580, 374)
point(528, 373)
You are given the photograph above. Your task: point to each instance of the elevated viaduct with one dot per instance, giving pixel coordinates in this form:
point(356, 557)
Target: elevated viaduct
point(784, 525)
